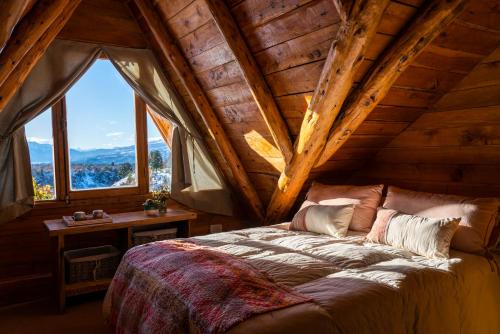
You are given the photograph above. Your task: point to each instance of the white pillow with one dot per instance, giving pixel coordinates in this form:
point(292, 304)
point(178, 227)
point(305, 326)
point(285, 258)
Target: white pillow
point(333, 220)
point(429, 237)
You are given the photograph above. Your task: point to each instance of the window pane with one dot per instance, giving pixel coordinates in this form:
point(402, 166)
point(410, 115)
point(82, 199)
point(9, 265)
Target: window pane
point(41, 147)
point(160, 159)
point(101, 130)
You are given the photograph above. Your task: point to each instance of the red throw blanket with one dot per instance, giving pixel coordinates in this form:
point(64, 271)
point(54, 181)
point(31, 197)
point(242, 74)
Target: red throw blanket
point(180, 287)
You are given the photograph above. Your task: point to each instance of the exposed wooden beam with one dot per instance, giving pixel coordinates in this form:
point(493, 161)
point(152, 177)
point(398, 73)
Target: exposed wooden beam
point(343, 7)
point(337, 77)
point(28, 32)
point(258, 86)
point(176, 59)
point(423, 29)
point(164, 126)
point(11, 12)
point(17, 76)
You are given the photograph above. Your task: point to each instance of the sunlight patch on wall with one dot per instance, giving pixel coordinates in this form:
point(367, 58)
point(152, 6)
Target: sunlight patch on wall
point(265, 149)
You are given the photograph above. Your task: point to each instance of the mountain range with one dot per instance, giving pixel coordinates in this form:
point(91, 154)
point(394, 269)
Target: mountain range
point(42, 153)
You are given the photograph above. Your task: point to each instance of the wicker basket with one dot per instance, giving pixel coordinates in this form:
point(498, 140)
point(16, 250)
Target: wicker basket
point(91, 264)
point(154, 235)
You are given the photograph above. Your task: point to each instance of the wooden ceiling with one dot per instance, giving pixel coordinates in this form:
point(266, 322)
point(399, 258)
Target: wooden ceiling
point(289, 40)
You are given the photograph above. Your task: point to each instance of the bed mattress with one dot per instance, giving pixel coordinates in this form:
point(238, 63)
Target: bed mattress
point(358, 287)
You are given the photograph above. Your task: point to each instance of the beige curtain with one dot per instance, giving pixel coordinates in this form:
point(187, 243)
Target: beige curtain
point(59, 68)
point(195, 180)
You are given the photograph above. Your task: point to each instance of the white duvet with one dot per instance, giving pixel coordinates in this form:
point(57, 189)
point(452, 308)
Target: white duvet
point(366, 288)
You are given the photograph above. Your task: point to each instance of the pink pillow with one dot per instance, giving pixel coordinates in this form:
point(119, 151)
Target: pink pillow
point(365, 198)
point(478, 214)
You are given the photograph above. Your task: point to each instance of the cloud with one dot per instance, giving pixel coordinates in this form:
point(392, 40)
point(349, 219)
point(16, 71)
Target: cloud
point(114, 134)
point(40, 140)
point(151, 139)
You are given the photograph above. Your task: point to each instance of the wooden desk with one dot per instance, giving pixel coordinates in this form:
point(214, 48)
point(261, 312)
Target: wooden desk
point(127, 221)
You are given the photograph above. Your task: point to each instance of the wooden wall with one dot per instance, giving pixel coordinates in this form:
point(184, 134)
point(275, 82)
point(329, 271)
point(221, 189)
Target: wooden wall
point(104, 21)
point(290, 42)
point(455, 148)
point(446, 61)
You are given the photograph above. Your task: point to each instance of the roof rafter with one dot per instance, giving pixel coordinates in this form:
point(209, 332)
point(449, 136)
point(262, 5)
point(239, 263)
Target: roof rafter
point(30, 29)
point(260, 90)
point(11, 11)
point(423, 29)
point(171, 52)
point(343, 7)
point(337, 77)
point(33, 51)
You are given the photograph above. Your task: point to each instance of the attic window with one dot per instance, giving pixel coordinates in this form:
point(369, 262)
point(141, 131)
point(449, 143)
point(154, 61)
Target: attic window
point(101, 130)
point(41, 148)
point(98, 141)
point(159, 154)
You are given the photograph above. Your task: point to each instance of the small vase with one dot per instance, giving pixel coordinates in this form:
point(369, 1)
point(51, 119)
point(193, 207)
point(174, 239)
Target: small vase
point(163, 208)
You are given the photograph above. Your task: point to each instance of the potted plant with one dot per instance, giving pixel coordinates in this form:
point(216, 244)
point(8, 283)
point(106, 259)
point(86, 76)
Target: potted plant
point(157, 204)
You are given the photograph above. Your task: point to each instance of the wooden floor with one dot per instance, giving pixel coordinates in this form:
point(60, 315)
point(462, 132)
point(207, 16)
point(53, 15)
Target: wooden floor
point(82, 316)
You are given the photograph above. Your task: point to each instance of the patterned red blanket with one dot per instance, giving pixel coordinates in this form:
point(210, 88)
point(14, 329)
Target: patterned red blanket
point(180, 287)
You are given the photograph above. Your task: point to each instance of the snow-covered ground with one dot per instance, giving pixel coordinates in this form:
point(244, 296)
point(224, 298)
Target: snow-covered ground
point(157, 178)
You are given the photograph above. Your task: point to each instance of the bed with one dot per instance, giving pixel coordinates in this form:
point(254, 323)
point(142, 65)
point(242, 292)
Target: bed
point(353, 286)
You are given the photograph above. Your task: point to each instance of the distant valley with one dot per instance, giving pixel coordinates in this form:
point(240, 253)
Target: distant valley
point(100, 168)
point(42, 153)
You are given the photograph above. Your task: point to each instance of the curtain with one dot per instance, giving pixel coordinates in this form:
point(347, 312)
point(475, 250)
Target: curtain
point(60, 67)
point(195, 180)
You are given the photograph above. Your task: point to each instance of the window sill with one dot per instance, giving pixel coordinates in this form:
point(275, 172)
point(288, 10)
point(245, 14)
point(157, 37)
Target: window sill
point(102, 201)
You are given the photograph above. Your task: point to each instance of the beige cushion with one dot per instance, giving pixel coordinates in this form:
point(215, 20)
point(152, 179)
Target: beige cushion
point(325, 219)
point(429, 237)
point(366, 198)
point(478, 214)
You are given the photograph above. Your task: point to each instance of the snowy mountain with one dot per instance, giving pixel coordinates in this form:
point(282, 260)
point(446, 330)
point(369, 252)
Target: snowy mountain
point(99, 168)
point(42, 153)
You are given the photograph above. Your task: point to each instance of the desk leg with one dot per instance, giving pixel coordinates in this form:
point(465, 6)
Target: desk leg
point(61, 295)
point(188, 228)
point(129, 238)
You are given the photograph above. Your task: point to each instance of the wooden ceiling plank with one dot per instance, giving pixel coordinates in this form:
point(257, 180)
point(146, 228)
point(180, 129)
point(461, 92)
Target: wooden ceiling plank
point(174, 56)
point(28, 32)
point(428, 24)
point(337, 77)
point(253, 76)
point(163, 125)
point(24, 66)
point(11, 12)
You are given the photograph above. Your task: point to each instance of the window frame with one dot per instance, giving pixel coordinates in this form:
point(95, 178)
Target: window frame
point(62, 173)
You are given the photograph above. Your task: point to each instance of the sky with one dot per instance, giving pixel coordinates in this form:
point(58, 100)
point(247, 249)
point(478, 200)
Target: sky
point(100, 112)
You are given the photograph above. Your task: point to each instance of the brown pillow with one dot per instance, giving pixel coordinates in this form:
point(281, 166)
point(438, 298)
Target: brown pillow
point(365, 198)
point(478, 215)
point(333, 220)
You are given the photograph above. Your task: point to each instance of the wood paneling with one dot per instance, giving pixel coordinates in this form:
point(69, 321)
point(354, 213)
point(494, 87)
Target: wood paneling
point(453, 149)
point(104, 21)
point(296, 23)
point(290, 42)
